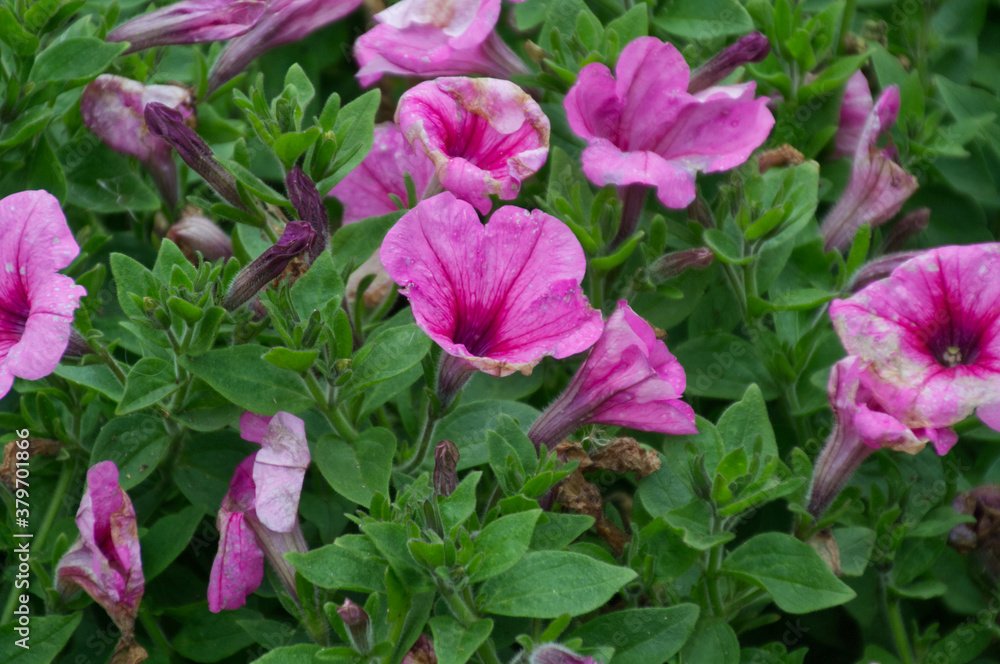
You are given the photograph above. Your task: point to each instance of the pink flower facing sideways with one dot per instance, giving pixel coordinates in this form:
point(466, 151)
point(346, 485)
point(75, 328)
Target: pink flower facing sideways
point(499, 296)
point(430, 38)
point(629, 379)
point(643, 127)
point(36, 302)
point(259, 515)
point(484, 136)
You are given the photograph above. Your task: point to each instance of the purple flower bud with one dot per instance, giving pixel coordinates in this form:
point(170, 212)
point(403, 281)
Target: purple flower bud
point(359, 626)
point(553, 653)
point(913, 224)
point(195, 234)
point(168, 124)
point(752, 48)
point(112, 107)
point(881, 268)
point(309, 204)
point(445, 463)
point(675, 263)
point(983, 535)
point(189, 22)
point(297, 239)
point(422, 652)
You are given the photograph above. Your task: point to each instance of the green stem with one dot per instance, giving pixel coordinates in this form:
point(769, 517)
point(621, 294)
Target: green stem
point(461, 606)
point(155, 631)
point(738, 290)
point(712, 581)
point(417, 460)
point(333, 415)
point(899, 631)
point(845, 24)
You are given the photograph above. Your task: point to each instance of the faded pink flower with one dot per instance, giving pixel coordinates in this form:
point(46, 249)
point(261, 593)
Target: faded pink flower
point(112, 107)
point(105, 559)
point(878, 186)
point(930, 334)
point(643, 127)
point(189, 22)
point(854, 110)
point(629, 379)
point(553, 653)
point(863, 425)
point(501, 296)
point(194, 234)
point(422, 652)
point(36, 302)
point(484, 136)
point(430, 38)
point(259, 515)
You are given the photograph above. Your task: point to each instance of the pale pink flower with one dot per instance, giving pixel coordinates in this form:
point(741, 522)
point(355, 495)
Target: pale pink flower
point(36, 302)
point(643, 127)
point(629, 379)
point(553, 653)
point(194, 234)
point(878, 186)
point(430, 38)
point(501, 296)
point(189, 22)
point(422, 652)
point(930, 334)
point(854, 110)
point(112, 107)
point(484, 136)
point(105, 559)
point(863, 425)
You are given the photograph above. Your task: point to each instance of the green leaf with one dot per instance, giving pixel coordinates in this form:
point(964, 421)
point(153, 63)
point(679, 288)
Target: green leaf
point(713, 641)
point(290, 146)
point(150, 380)
point(390, 540)
point(393, 352)
point(961, 645)
point(320, 289)
point(256, 186)
point(209, 637)
point(241, 375)
point(790, 570)
point(74, 59)
point(631, 25)
point(336, 567)
point(641, 636)
point(460, 505)
point(297, 361)
point(304, 89)
point(725, 247)
point(723, 366)
point(355, 132)
point(467, 426)
point(167, 538)
point(504, 542)
point(136, 443)
point(833, 76)
point(557, 530)
point(48, 636)
point(132, 278)
point(95, 376)
point(361, 470)
point(11, 33)
point(700, 19)
point(206, 466)
point(302, 653)
point(355, 243)
point(547, 584)
point(855, 545)
point(26, 125)
point(742, 422)
point(694, 519)
point(455, 643)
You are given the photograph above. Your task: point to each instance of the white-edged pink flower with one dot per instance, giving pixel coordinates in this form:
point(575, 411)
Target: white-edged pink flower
point(502, 295)
point(643, 127)
point(430, 38)
point(930, 334)
point(484, 136)
point(36, 302)
point(629, 379)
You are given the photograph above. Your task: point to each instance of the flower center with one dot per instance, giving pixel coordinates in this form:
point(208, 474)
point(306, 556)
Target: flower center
point(955, 347)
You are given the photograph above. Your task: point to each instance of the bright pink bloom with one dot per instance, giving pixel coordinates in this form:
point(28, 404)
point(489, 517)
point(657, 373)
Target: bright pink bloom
point(878, 186)
point(643, 127)
point(930, 334)
point(36, 303)
point(189, 22)
point(259, 515)
point(430, 38)
point(105, 559)
point(502, 296)
point(863, 425)
point(112, 107)
point(629, 379)
point(484, 135)
point(854, 112)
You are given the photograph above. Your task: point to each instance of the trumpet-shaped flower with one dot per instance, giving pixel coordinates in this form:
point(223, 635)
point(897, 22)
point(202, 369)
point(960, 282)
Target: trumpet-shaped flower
point(863, 425)
point(643, 127)
point(105, 559)
point(854, 111)
point(629, 379)
point(430, 38)
point(930, 334)
point(878, 186)
point(112, 107)
point(501, 296)
point(484, 136)
point(190, 22)
point(36, 303)
point(259, 515)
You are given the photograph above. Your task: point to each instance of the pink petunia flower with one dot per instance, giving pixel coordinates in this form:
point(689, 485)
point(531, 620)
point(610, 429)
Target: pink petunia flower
point(629, 379)
point(643, 127)
point(259, 516)
point(878, 186)
point(189, 22)
point(484, 136)
point(930, 335)
point(854, 111)
point(105, 559)
point(500, 296)
point(36, 303)
point(112, 107)
point(430, 38)
point(553, 653)
point(863, 425)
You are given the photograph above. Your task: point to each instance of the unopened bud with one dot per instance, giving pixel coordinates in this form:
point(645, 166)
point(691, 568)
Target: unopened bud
point(752, 48)
point(297, 238)
point(674, 263)
point(982, 536)
point(881, 268)
point(359, 626)
point(195, 234)
point(913, 224)
point(445, 464)
point(422, 652)
point(309, 204)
